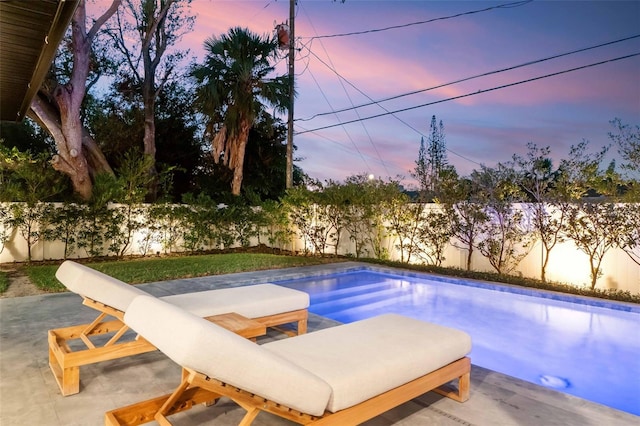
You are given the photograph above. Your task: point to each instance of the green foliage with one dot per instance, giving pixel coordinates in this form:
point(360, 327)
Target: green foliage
point(133, 182)
point(434, 235)
point(4, 282)
point(463, 202)
point(594, 228)
point(223, 225)
point(628, 235)
point(475, 213)
point(431, 165)
point(336, 203)
point(28, 177)
point(266, 158)
point(506, 238)
point(578, 173)
point(243, 220)
point(235, 84)
point(467, 218)
point(357, 206)
point(550, 198)
point(366, 212)
point(5, 225)
point(26, 136)
point(357, 214)
point(166, 225)
point(198, 222)
point(179, 154)
point(627, 140)
point(31, 221)
point(97, 223)
point(376, 196)
point(65, 225)
point(404, 221)
point(299, 205)
point(273, 220)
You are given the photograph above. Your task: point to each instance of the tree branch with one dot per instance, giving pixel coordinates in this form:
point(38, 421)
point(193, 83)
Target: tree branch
point(115, 4)
point(161, 16)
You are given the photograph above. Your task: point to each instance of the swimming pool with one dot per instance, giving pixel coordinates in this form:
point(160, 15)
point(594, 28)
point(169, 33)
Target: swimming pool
point(583, 347)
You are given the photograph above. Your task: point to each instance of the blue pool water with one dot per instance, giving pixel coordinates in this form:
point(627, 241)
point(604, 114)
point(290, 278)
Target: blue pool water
point(589, 351)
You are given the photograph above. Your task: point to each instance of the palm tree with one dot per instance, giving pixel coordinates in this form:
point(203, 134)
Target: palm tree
point(234, 87)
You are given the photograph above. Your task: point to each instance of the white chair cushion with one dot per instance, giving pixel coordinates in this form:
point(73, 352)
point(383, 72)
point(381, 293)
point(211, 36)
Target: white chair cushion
point(193, 342)
point(252, 301)
point(97, 286)
point(366, 358)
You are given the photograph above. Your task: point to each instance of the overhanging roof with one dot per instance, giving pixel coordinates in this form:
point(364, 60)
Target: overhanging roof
point(30, 32)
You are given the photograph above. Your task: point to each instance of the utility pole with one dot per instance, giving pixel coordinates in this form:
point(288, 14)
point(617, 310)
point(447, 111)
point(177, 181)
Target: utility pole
point(292, 54)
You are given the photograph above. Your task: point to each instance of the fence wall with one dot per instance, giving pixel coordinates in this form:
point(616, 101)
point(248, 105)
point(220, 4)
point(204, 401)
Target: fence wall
point(567, 263)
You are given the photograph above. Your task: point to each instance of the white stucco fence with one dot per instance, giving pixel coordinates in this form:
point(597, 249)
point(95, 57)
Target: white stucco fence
point(567, 263)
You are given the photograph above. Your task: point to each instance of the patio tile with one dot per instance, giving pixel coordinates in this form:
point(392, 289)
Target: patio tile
point(29, 394)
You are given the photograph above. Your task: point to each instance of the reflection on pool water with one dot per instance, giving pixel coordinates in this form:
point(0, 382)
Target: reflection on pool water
point(592, 352)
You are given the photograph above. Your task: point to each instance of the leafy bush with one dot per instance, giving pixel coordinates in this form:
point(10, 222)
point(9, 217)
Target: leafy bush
point(4, 282)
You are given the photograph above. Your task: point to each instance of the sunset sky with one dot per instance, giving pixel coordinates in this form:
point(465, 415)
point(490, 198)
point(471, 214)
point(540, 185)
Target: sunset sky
point(485, 128)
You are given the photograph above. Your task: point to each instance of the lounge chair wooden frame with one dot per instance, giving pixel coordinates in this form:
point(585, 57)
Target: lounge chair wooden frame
point(65, 362)
point(195, 388)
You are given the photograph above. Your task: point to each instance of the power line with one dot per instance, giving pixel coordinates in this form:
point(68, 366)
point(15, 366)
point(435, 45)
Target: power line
point(347, 149)
point(506, 5)
point(457, 15)
point(345, 130)
point(537, 61)
point(385, 109)
point(476, 93)
point(375, 148)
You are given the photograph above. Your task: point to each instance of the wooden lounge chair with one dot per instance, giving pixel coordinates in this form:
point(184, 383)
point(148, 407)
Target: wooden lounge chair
point(338, 376)
point(102, 339)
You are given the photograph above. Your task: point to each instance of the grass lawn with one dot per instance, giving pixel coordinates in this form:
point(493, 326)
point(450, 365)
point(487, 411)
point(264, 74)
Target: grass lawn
point(143, 270)
point(4, 281)
point(161, 269)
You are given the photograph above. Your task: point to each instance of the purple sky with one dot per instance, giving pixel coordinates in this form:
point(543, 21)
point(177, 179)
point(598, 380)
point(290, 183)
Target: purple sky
point(481, 129)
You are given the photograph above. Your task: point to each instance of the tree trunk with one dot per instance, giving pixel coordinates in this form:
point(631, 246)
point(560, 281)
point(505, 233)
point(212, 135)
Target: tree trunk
point(237, 160)
point(150, 139)
point(70, 158)
point(219, 147)
point(59, 111)
point(95, 158)
point(545, 262)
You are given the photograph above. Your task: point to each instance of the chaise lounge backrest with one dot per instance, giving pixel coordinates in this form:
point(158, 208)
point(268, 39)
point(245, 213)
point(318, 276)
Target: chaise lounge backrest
point(200, 345)
point(97, 286)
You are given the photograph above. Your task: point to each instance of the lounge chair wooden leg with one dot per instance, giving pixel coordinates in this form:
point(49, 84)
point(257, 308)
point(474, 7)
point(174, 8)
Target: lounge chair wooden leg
point(461, 394)
point(168, 405)
point(302, 326)
point(248, 418)
point(68, 379)
point(464, 384)
point(162, 420)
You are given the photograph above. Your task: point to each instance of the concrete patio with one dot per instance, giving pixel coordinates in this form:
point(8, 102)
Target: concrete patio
point(29, 394)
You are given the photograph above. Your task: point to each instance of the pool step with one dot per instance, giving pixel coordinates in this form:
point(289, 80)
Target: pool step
point(320, 295)
point(386, 295)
